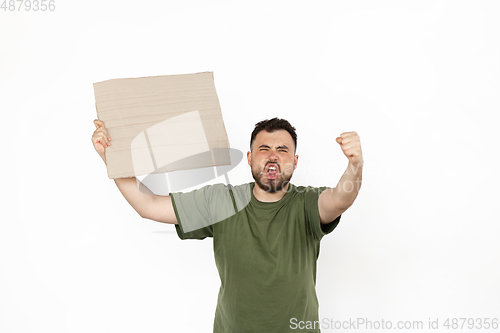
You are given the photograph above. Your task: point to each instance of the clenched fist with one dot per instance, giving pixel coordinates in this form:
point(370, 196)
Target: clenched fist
point(101, 138)
point(351, 146)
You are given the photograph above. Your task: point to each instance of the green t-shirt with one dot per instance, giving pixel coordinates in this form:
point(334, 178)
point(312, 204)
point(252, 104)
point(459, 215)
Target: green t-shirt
point(265, 253)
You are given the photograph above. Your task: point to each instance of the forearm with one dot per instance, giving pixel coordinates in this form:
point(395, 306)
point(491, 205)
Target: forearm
point(349, 184)
point(139, 199)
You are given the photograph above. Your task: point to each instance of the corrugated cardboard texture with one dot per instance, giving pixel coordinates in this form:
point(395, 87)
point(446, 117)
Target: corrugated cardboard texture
point(161, 123)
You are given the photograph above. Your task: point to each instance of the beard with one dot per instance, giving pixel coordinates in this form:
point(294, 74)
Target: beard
point(270, 185)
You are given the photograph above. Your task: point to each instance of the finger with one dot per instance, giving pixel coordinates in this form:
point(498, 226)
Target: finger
point(106, 140)
point(105, 133)
point(100, 138)
point(347, 134)
point(102, 131)
point(350, 148)
point(339, 140)
point(98, 123)
point(350, 138)
point(96, 140)
point(346, 146)
point(352, 151)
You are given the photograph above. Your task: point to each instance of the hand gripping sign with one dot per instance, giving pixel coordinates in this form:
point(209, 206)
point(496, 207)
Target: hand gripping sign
point(166, 124)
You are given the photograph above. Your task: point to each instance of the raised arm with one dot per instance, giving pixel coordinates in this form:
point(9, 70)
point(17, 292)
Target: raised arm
point(146, 203)
point(333, 202)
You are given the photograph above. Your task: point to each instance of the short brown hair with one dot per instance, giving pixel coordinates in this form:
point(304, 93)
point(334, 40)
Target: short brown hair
point(271, 125)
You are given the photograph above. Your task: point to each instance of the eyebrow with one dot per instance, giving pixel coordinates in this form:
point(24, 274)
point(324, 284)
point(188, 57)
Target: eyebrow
point(279, 147)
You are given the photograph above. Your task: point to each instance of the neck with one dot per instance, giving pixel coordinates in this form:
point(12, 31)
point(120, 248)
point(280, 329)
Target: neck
point(264, 196)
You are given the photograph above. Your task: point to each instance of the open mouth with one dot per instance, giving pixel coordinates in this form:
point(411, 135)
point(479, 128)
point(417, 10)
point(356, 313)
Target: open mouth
point(272, 171)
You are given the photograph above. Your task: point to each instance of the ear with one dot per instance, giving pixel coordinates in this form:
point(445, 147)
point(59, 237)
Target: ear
point(296, 160)
point(249, 158)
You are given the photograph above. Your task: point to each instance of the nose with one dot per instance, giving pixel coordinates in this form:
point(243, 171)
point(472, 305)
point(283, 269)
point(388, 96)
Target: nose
point(273, 157)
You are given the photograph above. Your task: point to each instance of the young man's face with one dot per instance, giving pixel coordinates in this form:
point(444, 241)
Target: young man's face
point(272, 160)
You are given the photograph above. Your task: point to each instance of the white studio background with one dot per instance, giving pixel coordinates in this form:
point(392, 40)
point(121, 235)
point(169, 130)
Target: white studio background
point(418, 81)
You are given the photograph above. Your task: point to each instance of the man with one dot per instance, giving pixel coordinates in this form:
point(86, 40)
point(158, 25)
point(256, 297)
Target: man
point(266, 234)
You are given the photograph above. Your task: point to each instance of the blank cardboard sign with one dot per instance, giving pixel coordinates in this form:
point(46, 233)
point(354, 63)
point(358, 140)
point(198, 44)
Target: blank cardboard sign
point(162, 123)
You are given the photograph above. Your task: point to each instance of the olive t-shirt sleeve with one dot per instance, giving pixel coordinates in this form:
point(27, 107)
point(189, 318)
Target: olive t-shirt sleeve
point(317, 228)
point(197, 211)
